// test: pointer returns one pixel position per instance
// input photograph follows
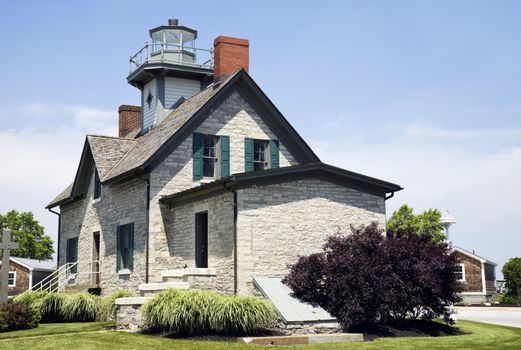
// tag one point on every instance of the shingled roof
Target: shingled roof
(119, 158)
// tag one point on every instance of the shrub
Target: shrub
(199, 312)
(15, 316)
(81, 307)
(366, 278)
(241, 314)
(512, 273)
(64, 307)
(108, 311)
(509, 299)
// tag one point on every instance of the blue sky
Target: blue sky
(426, 94)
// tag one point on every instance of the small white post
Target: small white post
(6, 246)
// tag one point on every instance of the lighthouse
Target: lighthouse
(168, 70)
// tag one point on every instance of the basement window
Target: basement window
(11, 279)
(459, 271)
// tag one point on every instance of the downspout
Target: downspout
(59, 233)
(147, 228)
(235, 282)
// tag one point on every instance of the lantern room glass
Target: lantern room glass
(173, 39)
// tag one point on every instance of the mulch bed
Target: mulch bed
(407, 328)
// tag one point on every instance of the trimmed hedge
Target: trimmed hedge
(15, 317)
(201, 312)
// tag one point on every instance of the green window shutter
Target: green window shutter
(131, 246)
(197, 156)
(67, 257)
(248, 154)
(274, 154)
(75, 267)
(118, 249)
(225, 156)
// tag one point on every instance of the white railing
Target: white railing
(63, 275)
(171, 53)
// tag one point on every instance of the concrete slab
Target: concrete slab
(506, 316)
(304, 339)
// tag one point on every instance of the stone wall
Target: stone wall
(278, 223)
(180, 233)
(473, 281)
(235, 118)
(119, 204)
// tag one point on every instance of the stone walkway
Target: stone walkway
(506, 316)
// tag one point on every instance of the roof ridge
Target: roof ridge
(110, 137)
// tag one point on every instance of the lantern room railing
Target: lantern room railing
(172, 53)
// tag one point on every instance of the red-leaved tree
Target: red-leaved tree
(365, 278)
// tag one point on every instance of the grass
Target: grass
(56, 328)
(484, 336)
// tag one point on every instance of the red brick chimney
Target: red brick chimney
(230, 55)
(129, 119)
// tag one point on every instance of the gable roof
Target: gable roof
(152, 147)
(323, 171)
(472, 255)
(34, 264)
(120, 158)
(101, 151)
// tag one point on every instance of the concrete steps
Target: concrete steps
(149, 289)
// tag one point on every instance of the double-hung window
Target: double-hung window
(459, 271)
(260, 158)
(125, 247)
(11, 279)
(211, 156)
(210, 143)
(260, 154)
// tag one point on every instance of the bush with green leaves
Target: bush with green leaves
(82, 307)
(202, 312)
(512, 273)
(14, 316)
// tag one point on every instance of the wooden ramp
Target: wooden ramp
(290, 309)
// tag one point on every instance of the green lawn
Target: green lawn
(483, 337)
(57, 328)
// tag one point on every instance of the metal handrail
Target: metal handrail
(63, 274)
(145, 54)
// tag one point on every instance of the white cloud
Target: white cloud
(481, 189)
(40, 159)
(434, 132)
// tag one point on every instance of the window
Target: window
(210, 155)
(11, 279)
(260, 160)
(260, 154)
(97, 185)
(460, 272)
(72, 254)
(125, 247)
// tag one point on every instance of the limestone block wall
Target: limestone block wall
(119, 204)
(180, 237)
(278, 223)
(236, 118)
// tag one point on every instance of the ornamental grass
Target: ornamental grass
(201, 312)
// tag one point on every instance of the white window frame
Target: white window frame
(14, 279)
(462, 272)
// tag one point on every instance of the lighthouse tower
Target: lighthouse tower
(168, 70)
